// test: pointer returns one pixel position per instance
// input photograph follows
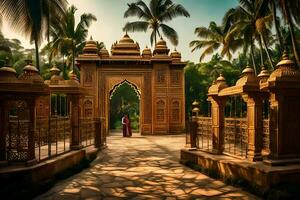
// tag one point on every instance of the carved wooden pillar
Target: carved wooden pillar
(284, 88)
(255, 125)
(32, 127)
(75, 122)
(193, 127)
(217, 115)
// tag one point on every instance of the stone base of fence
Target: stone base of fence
(42, 172)
(256, 174)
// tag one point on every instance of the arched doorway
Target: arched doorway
(124, 98)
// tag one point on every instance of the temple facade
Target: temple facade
(157, 77)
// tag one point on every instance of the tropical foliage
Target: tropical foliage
(68, 38)
(215, 37)
(251, 22)
(154, 17)
(250, 34)
(32, 19)
(199, 77)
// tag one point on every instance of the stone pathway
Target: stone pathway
(142, 168)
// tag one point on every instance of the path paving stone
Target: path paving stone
(142, 168)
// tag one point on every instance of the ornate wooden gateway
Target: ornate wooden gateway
(157, 77)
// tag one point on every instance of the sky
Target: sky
(110, 21)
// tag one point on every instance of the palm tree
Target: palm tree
(31, 18)
(4, 44)
(68, 39)
(253, 21)
(213, 38)
(154, 17)
(290, 11)
(276, 22)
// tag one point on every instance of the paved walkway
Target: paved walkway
(142, 168)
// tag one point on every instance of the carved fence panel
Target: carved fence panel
(266, 137)
(17, 137)
(52, 137)
(204, 133)
(236, 137)
(87, 131)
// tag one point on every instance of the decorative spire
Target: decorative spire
(221, 78)
(285, 60)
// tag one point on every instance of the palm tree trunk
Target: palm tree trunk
(73, 59)
(277, 25)
(267, 50)
(252, 57)
(261, 52)
(73, 56)
(37, 57)
(292, 32)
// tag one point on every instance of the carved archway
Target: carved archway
(133, 86)
(137, 92)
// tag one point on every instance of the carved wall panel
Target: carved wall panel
(160, 76)
(175, 111)
(88, 78)
(147, 98)
(160, 110)
(175, 77)
(88, 107)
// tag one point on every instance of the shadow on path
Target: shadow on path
(142, 168)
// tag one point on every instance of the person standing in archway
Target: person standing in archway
(126, 126)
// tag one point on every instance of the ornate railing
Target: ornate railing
(204, 133)
(87, 131)
(17, 139)
(266, 137)
(52, 137)
(236, 137)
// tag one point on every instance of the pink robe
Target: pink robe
(126, 127)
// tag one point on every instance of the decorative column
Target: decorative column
(193, 132)
(217, 113)
(75, 122)
(255, 125)
(284, 88)
(7, 75)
